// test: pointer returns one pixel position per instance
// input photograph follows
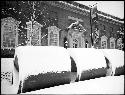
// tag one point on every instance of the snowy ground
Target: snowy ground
(6, 86)
(104, 85)
(85, 59)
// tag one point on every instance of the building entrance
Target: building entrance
(76, 36)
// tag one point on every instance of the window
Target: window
(112, 43)
(75, 43)
(34, 35)
(104, 42)
(9, 35)
(120, 44)
(53, 36)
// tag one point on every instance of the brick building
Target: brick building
(46, 23)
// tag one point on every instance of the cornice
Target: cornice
(75, 9)
(68, 7)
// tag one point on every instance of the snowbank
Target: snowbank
(9, 85)
(7, 64)
(115, 56)
(87, 59)
(104, 85)
(33, 60)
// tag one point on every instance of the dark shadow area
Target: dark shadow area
(16, 63)
(7, 53)
(41, 81)
(119, 71)
(73, 65)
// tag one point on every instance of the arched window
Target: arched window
(34, 33)
(112, 43)
(53, 36)
(104, 42)
(75, 43)
(119, 44)
(9, 33)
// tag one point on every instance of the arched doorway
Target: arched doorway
(76, 35)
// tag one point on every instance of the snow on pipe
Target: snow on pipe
(116, 58)
(87, 59)
(33, 60)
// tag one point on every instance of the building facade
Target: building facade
(56, 23)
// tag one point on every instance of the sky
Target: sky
(115, 8)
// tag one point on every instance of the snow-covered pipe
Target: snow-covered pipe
(33, 60)
(87, 59)
(115, 56)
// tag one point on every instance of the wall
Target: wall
(63, 23)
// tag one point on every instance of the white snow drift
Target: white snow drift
(33, 60)
(6, 86)
(115, 56)
(6, 64)
(87, 59)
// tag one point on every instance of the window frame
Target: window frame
(119, 44)
(104, 41)
(54, 32)
(112, 41)
(12, 24)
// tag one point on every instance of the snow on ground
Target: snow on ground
(115, 56)
(6, 86)
(48, 59)
(87, 58)
(104, 85)
(6, 64)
